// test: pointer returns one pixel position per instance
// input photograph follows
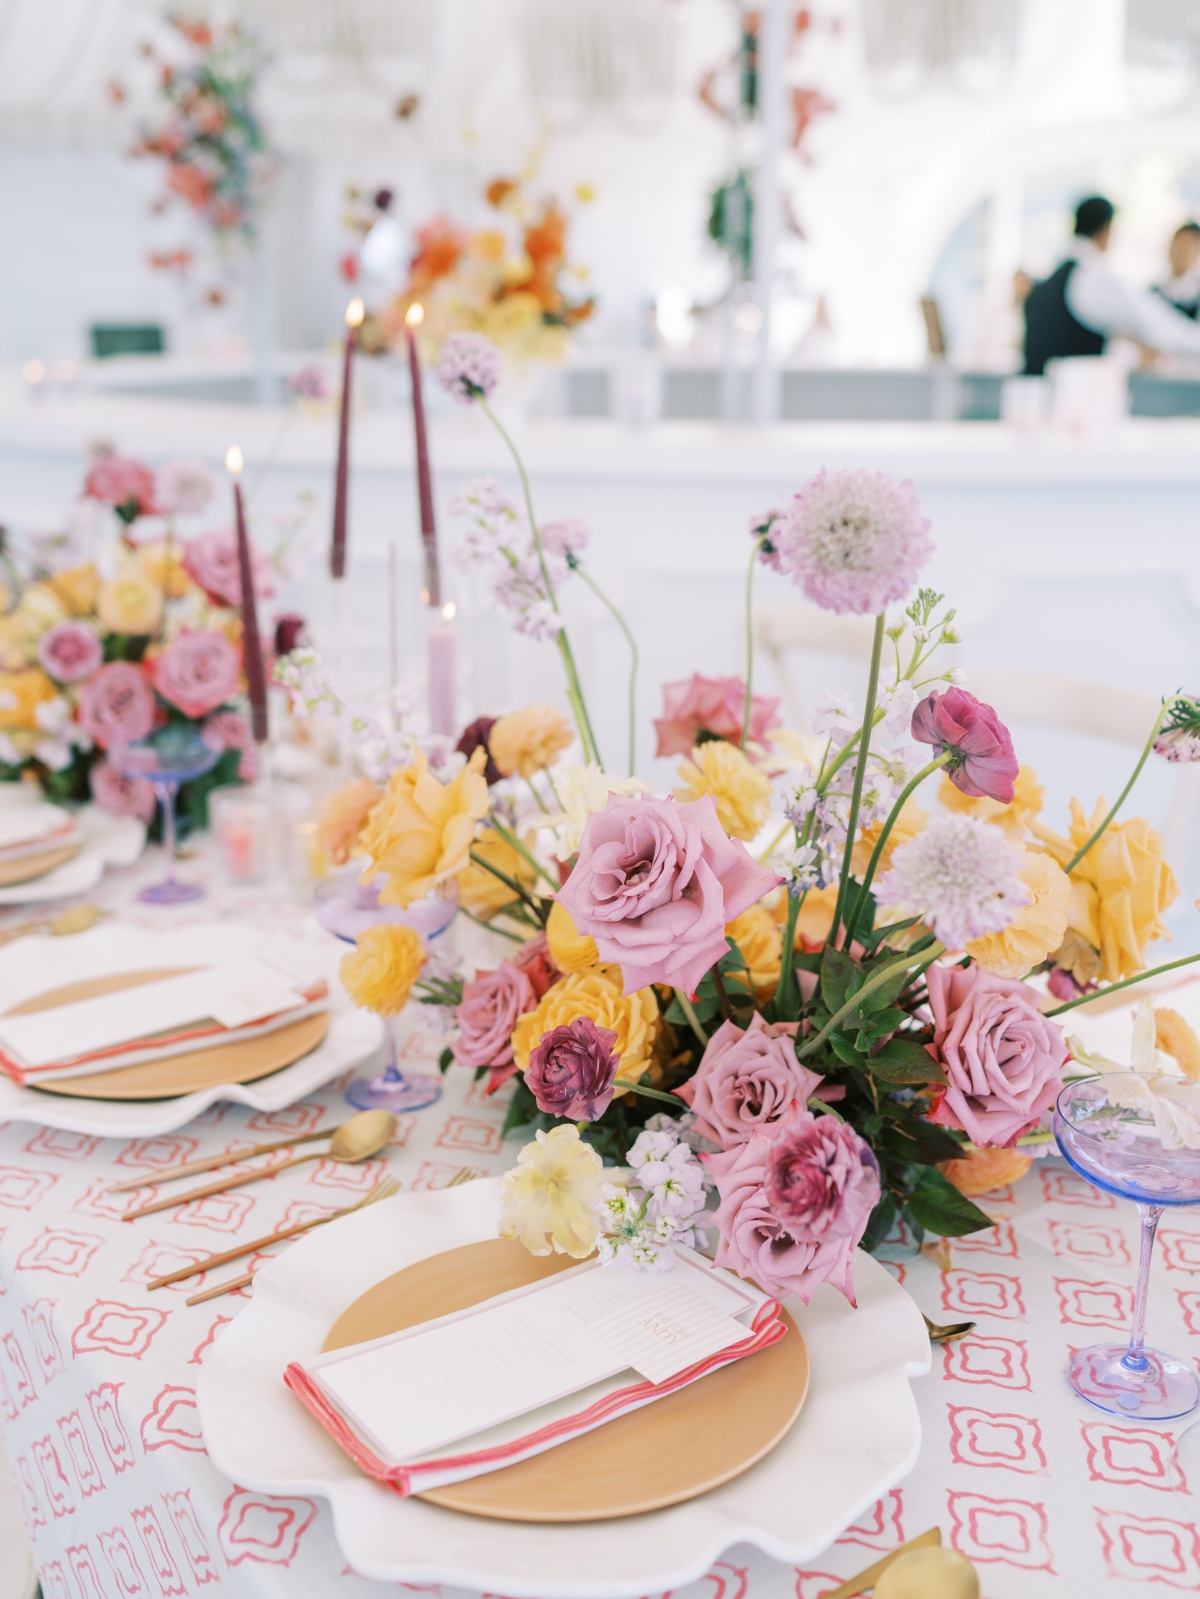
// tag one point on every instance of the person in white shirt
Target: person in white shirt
(1084, 304)
(1182, 289)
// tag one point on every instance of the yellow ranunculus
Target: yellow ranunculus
(514, 317)
(20, 695)
(911, 821)
(569, 949)
(379, 972)
(420, 833)
(481, 892)
(742, 792)
(982, 1171)
(40, 608)
(1015, 819)
(527, 740)
(162, 562)
(759, 939)
(1038, 928)
(595, 992)
(75, 588)
(1121, 888)
(342, 819)
(18, 642)
(548, 1199)
(129, 603)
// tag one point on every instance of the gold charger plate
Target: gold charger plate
(242, 1062)
(672, 1450)
(27, 867)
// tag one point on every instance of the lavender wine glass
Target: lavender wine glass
(1117, 1131)
(346, 907)
(167, 758)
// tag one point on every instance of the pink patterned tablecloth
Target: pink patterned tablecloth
(97, 1376)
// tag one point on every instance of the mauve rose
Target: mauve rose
(714, 705)
(116, 705)
(983, 763)
(475, 736)
(212, 561)
(196, 672)
(231, 731)
(533, 958)
(127, 486)
(795, 1201)
(571, 1071)
(120, 795)
(491, 1006)
(656, 883)
(70, 651)
(745, 1080)
(1003, 1059)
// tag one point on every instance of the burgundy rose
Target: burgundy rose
(212, 561)
(795, 1201)
(712, 705)
(982, 761)
(655, 885)
(116, 705)
(120, 795)
(491, 1006)
(533, 958)
(572, 1069)
(70, 651)
(475, 736)
(746, 1079)
(196, 672)
(1003, 1059)
(290, 633)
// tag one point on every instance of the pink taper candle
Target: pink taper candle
(442, 640)
(355, 312)
(252, 656)
(413, 318)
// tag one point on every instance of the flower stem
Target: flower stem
(860, 772)
(685, 1006)
(533, 790)
(1126, 982)
(621, 1086)
(784, 988)
(514, 842)
(504, 932)
(509, 882)
(774, 844)
(876, 980)
(1124, 794)
(909, 789)
(633, 660)
(754, 555)
(574, 691)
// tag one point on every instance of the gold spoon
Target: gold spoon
(364, 1135)
(76, 919)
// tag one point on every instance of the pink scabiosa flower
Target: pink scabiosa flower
(795, 1201)
(70, 651)
(1179, 740)
(960, 876)
(184, 488)
(853, 541)
(982, 761)
(714, 706)
(469, 367)
(572, 1070)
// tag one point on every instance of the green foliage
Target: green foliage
(937, 1206)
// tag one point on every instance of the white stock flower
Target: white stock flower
(582, 790)
(835, 719)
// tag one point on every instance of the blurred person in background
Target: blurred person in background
(1182, 288)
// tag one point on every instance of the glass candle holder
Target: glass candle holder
(240, 820)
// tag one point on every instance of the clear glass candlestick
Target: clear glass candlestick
(1130, 1134)
(173, 755)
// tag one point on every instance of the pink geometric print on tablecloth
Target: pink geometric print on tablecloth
(22, 1188)
(1093, 1304)
(1010, 1532)
(122, 1563)
(997, 1240)
(1060, 1186)
(78, 1449)
(1103, 1245)
(53, 1141)
(977, 1294)
(995, 1438)
(55, 1249)
(1189, 1304)
(117, 1329)
(158, 1553)
(881, 1527)
(182, 1517)
(1179, 1251)
(156, 1154)
(995, 1362)
(262, 1527)
(104, 1403)
(1131, 1456)
(1150, 1549)
(173, 1420)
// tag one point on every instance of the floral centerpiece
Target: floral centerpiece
(95, 654)
(854, 1021)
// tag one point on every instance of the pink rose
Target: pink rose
(231, 731)
(212, 561)
(656, 883)
(116, 705)
(746, 1079)
(711, 705)
(533, 958)
(70, 651)
(983, 763)
(120, 795)
(196, 672)
(572, 1069)
(491, 1006)
(127, 486)
(795, 1200)
(1003, 1059)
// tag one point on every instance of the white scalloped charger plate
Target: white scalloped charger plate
(32, 965)
(857, 1435)
(106, 841)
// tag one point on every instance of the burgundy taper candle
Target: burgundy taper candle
(413, 318)
(252, 656)
(341, 483)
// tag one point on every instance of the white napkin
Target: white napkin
(30, 823)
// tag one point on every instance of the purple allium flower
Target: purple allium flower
(470, 366)
(853, 541)
(983, 763)
(1180, 737)
(572, 1069)
(960, 876)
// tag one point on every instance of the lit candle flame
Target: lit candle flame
(234, 461)
(355, 312)
(415, 314)
(449, 611)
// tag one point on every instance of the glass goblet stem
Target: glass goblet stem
(166, 801)
(391, 1073)
(1135, 1357)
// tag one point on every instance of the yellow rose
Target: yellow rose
(1038, 928)
(1121, 888)
(760, 943)
(18, 643)
(40, 608)
(816, 916)
(343, 817)
(548, 1199)
(420, 833)
(379, 972)
(527, 740)
(595, 992)
(162, 562)
(911, 821)
(20, 694)
(481, 892)
(569, 949)
(1015, 819)
(742, 792)
(75, 588)
(129, 603)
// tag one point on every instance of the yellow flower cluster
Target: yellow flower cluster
(481, 892)
(1038, 928)
(21, 693)
(570, 950)
(759, 939)
(419, 834)
(130, 603)
(526, 741)
(742, 792)
(596, 992)
(1015, 819)
(378, 974)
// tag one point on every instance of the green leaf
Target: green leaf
(838, 974)
(446, 1059)
(705, 1006)
(926, 1143)
(864, 914)
(879, 1223)
(892, 986)
(846, 1051)
(903, 1060)
(939, 1207)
